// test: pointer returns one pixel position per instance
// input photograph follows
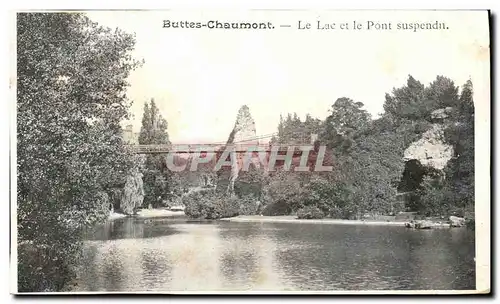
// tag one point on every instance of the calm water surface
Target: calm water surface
(175, 255)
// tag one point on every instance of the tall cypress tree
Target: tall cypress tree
(156, 176)
(144, 135)
(154, 126)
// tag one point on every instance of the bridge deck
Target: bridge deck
(208, 148)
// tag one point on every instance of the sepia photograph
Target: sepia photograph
(250, 152)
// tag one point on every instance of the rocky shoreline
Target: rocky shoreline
(423, 224)
(413, 224)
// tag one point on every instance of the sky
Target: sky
(199, 78)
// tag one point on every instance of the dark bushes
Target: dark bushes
(210, 205)
(276, 208)
(310, 212)
(248, 205)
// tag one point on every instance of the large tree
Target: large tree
(345, 120)
(157, 179)
(294, 131)
(70, 99)
(154, 126)
(460, 169)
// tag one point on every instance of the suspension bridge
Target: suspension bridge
(241, 146)
(247, 147)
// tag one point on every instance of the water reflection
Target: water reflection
(249, 259)
(113, 269)
(194, 257)
(156, 269)
(131, 228)
(162, 255)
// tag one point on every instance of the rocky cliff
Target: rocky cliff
(243, 132)
(244, 127)
(430, 149)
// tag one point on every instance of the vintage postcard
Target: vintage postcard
(251, 151)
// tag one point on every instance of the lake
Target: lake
(165, 255)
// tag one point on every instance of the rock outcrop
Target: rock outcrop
(410, 224)
(425, 224)
(244, 132)
(431, 150)
(133, 193)
(244, 127)
(456, 221)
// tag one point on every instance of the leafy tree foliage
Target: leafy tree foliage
(408, 102)
(453, 194)
(248, 205)
(345, 120)
(249, 182)
(369, 166)
(411, 107)
(310, 212)
(284, 190)
(71, 97)
(157, 178)
(346, 116)
(294, 131)
(154, 126)
(329, 197)
(433, 197)
(442, 92)
(209, 204)
(460, 169)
